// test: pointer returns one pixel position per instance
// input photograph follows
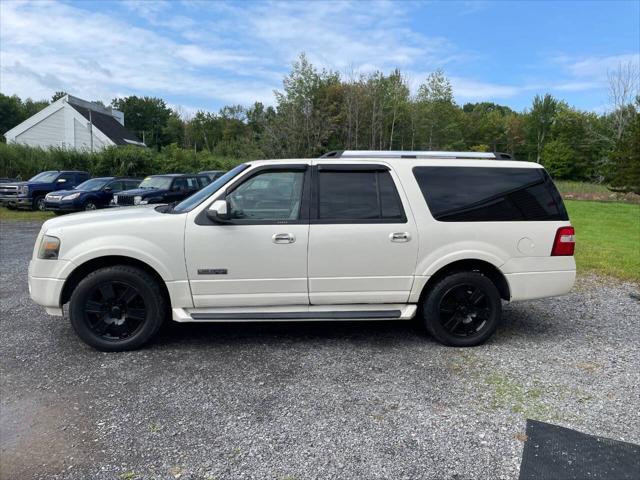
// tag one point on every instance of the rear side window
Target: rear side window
(479, 194)
(364, 196)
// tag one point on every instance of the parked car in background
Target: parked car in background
(31, 194)
(167, 188)
(213, 174)
(90, 195)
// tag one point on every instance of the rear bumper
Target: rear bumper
(531, 285)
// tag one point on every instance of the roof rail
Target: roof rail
(414, 154)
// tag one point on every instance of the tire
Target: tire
(89, 206)
(117, 308)
(38, 204)
(462, 310)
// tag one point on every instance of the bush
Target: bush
(20, 161)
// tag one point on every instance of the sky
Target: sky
(204, 55)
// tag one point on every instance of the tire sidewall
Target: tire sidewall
(140, 280)
(38, 204)
(431, 308)
(90, 202)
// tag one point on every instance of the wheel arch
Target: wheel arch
(84, 269)
(492, 272)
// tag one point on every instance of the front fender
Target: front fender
(169, 267)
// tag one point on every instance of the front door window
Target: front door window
(269, 196)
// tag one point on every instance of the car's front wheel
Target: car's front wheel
(38, 204)
(90, 206)
(117, 308)
(462, 309)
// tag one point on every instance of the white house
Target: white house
(70, 122)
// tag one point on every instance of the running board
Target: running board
(269, 314)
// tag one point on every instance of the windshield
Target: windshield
(152, 183)
(45, 177)
(93, 184)
(198, 197)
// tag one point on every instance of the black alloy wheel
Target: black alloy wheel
(462, 309)
(114, 310)
(90, 205)
(118, 308)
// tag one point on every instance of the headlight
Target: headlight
(137, 199)
(71, 197)
(49, 248)
(24, 189)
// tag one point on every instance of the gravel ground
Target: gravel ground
(322, 400)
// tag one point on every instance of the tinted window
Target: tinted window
(268, 196)
(358, 196)
(117, 186)
(203, 181)
(192, 183)
(131, 184)
(93, 184)
(69, 177)
(198, 197)
(478, 194)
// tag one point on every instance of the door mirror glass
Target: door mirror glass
(61, 180)
(219, 211)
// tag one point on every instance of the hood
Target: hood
(62, 193)
(14, 184)
(100, 217)
(143, 192)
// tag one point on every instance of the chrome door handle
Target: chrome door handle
(283, 238)
(400, 237)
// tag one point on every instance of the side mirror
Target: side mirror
(219, 211)
(61, 180)
(107, 189)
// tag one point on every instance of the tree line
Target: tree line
(320, 110)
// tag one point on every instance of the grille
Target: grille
(9, 190)
(125, 199)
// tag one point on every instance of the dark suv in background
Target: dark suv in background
(171, 187)
(31, 194)
(90, 195)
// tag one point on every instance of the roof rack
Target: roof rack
(415, 154)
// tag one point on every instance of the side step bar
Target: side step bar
(346, 315)
(396, 312)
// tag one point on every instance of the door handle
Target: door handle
(283, 238)
(399, 237)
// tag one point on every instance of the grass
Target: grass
(6, 214)
(607, 237)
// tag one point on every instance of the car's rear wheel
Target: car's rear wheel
(90, 205)
(38, 204)
(463, 309)
(117, 308)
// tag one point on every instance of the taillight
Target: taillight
(565, 242)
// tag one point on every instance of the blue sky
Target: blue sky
(203, 55)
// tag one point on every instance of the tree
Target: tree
(559, 159)
(11, 112)
(623, 173)
(57, 96)
(542, 115)
(146, 116)
(623, 88)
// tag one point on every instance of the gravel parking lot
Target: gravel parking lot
(297, 401)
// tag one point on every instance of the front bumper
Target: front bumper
(16, 202)
(62, 206)
(46, 281)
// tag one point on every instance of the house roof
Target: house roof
(108, 125)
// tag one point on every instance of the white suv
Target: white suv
(354, 235)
